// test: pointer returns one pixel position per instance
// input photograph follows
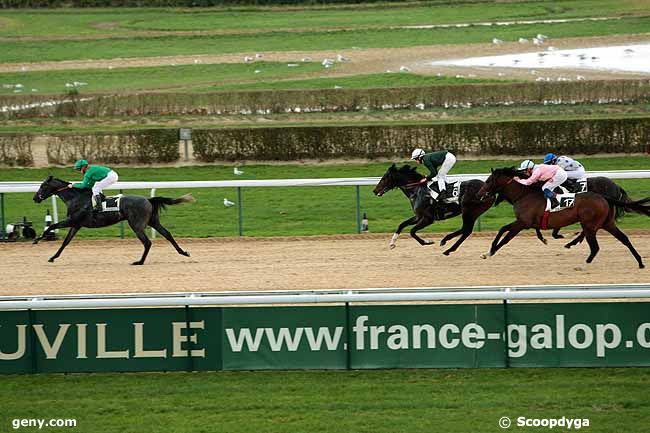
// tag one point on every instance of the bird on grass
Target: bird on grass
(238, 172)
(228, 203)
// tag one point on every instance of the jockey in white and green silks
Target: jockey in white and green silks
(96, 178)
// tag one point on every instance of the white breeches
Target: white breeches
(447, 164)
(555, 181)
(109, 180)
(578, 173)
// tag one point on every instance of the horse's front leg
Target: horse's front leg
(73, 231)
(407, 222)
(422, 223)
(540, 236)
(61, 224)
(496, 240)
(513, 230)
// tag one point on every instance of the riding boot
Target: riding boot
(97, 200)
(442, 196)
(554, 202)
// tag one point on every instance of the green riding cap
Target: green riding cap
(81, 163)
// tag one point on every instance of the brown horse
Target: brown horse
(591, 210)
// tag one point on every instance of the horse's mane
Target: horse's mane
(408, 170)
(507, 171)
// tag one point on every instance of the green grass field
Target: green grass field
(294, 211)
(450, 401)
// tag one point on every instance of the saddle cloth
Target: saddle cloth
(454, 187)
(112, 203)
(566, 201)
(570, 185)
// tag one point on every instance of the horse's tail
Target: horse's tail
(621, 195)
(640, 206)
(159, 203)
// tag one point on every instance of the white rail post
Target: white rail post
(55, 212)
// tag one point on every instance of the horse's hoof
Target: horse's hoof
(35, 241)
(484, 256)
(392, 246)
(443, 242)
(641, 266)
(446, 253)
(558, 236)
(51, 260)
(567, 246)
(137, 263)
(544, 241)
(427, 243)
(185, 253)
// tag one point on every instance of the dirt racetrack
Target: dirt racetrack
(340, 262)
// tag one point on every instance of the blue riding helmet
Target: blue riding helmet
(550, 158)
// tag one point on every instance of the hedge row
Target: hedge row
(148, 146)
(479, 139)
(332, 100)
(4, 4)
(16, 150)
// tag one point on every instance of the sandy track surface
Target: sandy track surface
(373, 60)
(309, 263)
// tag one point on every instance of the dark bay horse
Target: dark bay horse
(137, 211)
(409, 180)
(593, 211)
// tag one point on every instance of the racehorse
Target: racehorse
(137, 211)
(409, 181)
(592, 210)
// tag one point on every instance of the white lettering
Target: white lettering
(602, 342)
(641, 335)
(178, 339)
(588, 335)
(399, 338)
(517, 347)
(51, 350)
(375, 331)
(559, 331)
(417, 336)
(101, 345)
(237, 342)
(81, 340)
(323, 334)
(359, 330)
(473, 336)
(445, 330)
(543, 339)
(139, 351)
(283, 335)
(20, 346)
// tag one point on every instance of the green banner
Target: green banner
(326, 337)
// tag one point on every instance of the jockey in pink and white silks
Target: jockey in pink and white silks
(573, 168)
(554, 175)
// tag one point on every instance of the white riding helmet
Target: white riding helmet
(525, 165)
(417, 154)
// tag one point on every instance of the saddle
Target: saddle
(453, 190)
(111, 203)
(576, 186)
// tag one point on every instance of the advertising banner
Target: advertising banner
(326, 337)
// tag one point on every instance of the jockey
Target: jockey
(96, 177)
(554, 175)
(573, 168)
(443, 159)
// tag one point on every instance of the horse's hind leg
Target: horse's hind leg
(540, 236)
(138, 228)
(165, 233)
(466, 230)
(622, 237)
(576, 241)
(593, 244)
(556, 234)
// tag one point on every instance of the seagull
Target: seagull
(238, 172)
(420, 106)
(404, 69)
(579, 77)
(342, 58)
(257, 71)
(306, 59)
(258, 56)
(327, 62)
(538, 41)
(338, 87)
(628, 51)
(248, 59)
(523, 40)
(228, 203)
(497, 41)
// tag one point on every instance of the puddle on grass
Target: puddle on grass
(622, 58)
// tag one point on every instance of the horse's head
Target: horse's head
(497, 180)
(394, 178)
(49, 187)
